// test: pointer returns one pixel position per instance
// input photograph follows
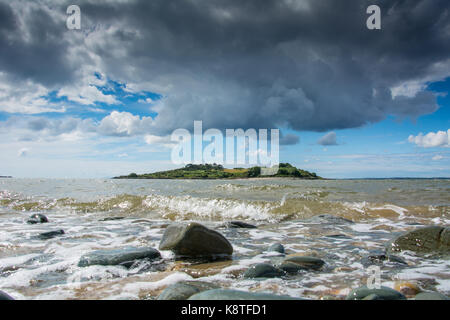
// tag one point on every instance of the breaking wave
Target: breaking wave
(292, 206)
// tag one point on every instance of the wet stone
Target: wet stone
(240, 224)
(50, 234)
(291, 267)
(305, 262)
(194, 240)
(263, 270)
(112, 219)
(223, 294)
(328, 218)
(431, 296)
(379, 257)
(125, 257)
(184, 290)
(4, 296)
(384, 293)
(276, 247)
(372, 296)
(407, 288)
(433, 239)
(37, 218)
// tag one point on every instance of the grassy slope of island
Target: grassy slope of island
(215, 171)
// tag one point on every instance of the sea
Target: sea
(339, 221)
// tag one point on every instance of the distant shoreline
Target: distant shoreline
(237, 178)
(216, 172)
(230, 178)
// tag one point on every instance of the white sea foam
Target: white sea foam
(14, 261)
(187, 206)
(136, 287)
(365, 208)
(399, 210)
(261, 234)
(23, 278)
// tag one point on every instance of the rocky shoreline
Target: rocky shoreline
(195, 243)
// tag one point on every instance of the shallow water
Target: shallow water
(284, 210)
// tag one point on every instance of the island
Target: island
(217, 171)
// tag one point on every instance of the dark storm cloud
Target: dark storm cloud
(32, 42)
(304, 65)
(38, 127)
(329, 139)
(289, 139)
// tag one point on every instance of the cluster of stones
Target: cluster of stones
(195, 241)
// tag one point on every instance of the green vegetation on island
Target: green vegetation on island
(217, 171)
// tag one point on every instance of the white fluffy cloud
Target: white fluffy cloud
(165, 142)
(26, 98)
(432, 139)
(124, 124)
(116, 124)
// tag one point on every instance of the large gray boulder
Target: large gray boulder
(194, 240)
(125, 257)
(384, 293)
(183, 290)
(224, 294)
(433, 239)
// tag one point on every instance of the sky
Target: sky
(103, 100)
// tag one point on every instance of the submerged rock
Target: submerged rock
(372, 296)
(263, 270)
(240, 224)
(384, 293)
(4, 296)
(112, 219)
(50, 234)
(328, 218)
(37, 218)
(431, 296)
(378, 257)
(276, 247)
(432, 239)
(291, 267)
(224, 294)
(303, 263)
(125, 257)
(183, 290)
(407, 288)
(194, 240)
